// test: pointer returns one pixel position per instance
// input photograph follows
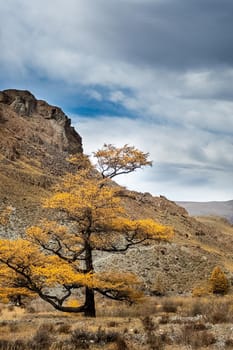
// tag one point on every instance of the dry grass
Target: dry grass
(196, 338)
(10, 313)
(217, 223)
(160, 323)
(108, 308)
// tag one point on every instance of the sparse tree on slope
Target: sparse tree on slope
(56, 259)
(218, 281)
(113, 161)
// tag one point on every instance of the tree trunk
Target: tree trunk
(89, 308)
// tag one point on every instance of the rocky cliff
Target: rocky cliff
(35, 141)
(30, 127)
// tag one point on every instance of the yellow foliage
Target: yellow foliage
(144, 228)
(201, 290)
(218, 281)
(81, 160)
(77, 195)
(113, 161)
(217, 284)
(73, 303)
(20, 256)
(125, 283)
(11, 284)
(55, 255)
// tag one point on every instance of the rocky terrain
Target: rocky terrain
(223, 209)
(35, 140)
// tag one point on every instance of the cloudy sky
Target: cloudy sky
(157, 74)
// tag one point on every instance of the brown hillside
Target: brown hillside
(35, 140)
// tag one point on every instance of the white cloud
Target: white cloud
(94, 94)
(187, 162)
(136, 54)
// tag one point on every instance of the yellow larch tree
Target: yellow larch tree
(113, 161)
(218, 281)
(58, 257)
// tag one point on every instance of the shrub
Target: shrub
(220, 312)
(13, 327)
(121, 344)
(81, 338)
(169, 305)
(219, 282)
(202, 290)
(155, 341)
(229, 343)
(64, 328)
(196, 338)
(159, 287)
(42, 340)
(164, 319)
(4, 344)
(196, 309)
(12, 345)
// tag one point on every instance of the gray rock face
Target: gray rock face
(22, 102)
(23, 107)
(49, 125)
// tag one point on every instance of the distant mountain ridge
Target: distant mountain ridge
(222, 209)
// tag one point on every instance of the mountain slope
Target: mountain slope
(222, 209)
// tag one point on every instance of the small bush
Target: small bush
(221, 312)
(49, 327)
(196, 309)
(13, 327)
(12, 345)
(229, 343)
(42, 340)
(148, 324)
(64, 328)
(4, 344)
(164, 319)
(219, 282)
(30, 310)
(11, 308)
(155, 341)
(196, 338)
(199, 326)
(112, 324)
(81, 338)
(202, 290)
(159, 287)
(18, 345)
(214, 310)
(121, 344)
(169, 305)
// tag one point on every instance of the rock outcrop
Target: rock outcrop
(35, 121)
(35, 141)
